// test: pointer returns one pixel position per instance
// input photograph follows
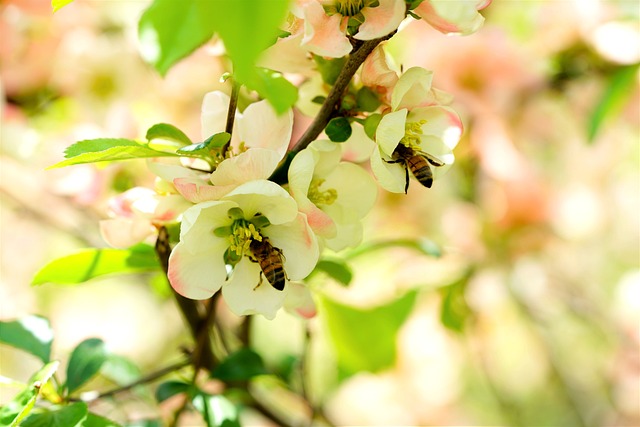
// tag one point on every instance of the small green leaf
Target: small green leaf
(107, 149)
(617, 93)
(338, 129)
(365, 339)
(371, 125)
(203, 149)
(169, 30)
(336, 269)
(241, 365)
(14, 411)
(167, 131)
(59, 4)
(319, 99)
(32, 334)
(169, 389)
(145, 423)
(454, 310)
(91, 263)
(425, 246)
(86, 360)
(367, 100)
(72, 415)
(94, 420)
(272, 85)
(329, 68)
(120, 370)
(217, 411)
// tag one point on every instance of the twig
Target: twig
(231, 112)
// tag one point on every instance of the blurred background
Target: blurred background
(531, 316)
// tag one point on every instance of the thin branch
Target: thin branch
(331, 105)
(147, 379)
(231, 112)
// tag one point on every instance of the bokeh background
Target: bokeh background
(538, 220)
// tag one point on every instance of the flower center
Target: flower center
(241, 233)
(319, 197)
(349, 7)
(412, 134)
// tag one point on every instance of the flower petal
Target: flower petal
(301, 173)
(359, 146)
(390, 131)
(413, 89)
(391, 176)
(357, 191)
(288, 56)
(298, 244)
(266, 198)
(441, 122)
(381, 20)
(376, 72)
(197, 275)
(323, 34)
(453, 17)
(199, 222)
(244, 294)
(261, 127)
(299, 301)
(213, 117)
(125, 232)
(253, 164)
(197, 191)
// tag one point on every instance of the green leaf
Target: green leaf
(86, 360)
(59, 4)
(615, 96)
(120, 370)
(169, 132)
(217, 411)
(280, 92)
(94, 420)
(454, 310)
(425, 246)
(367, 100)
(365, 339)
(336, 269)
(145, 423)
(72, 415)
(14, 411)
(241, 365)
(338, 129)
(91, 263)
(371, 125)
(329, 68)
(32, 334)
(203, 149)
(107, 149)
(169, 389)
(170, 30)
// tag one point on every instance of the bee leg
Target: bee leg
(259, 281)
(406, 184)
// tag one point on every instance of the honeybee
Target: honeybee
(270, 260)
(416, 161)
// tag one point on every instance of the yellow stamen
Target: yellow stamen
(412, 134)
(319, 197)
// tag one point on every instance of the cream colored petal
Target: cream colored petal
(390, 176)
(123, 233)
(390, 131)
(253, 164)
(266, 198)
(412, 89)
(298, 244)
(261, 127)
(197, 275)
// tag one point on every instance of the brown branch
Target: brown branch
(231, 113)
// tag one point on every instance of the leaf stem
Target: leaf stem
(231, 112)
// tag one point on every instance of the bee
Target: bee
(270, 260)
(416, 161)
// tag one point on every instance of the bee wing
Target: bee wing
(431, 158)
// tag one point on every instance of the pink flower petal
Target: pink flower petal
(324, 34)
(197, 275)
(197, 191)
(123, 233)
(381, 20)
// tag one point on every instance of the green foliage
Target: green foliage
(32, 334)
(329, 68)
(59, 4)
(371, 125)
(217, 411)
(365, 339)
(454, 310)
(169, 389)
(91, 263)
(367, 100)
(72, 415)
(86, 360)
(271, 85)
(13, 412)
(336, 269)
(241, 365)
(167, 132)
(424, 246)
(204, 149)
(94, 420)
(120, 370)
(338, 129)
(145, 423)
(107, 149)
(617, 93)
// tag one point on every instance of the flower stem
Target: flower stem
(231, 111)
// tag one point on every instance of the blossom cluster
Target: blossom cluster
(255, 238)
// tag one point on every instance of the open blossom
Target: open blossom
(259, 141)
(221, 233)
(453, 17)
(334, 195)
(326, 22)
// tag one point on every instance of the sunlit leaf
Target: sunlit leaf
(91, 263)
(85, 362)
(371, 125)
(280, 92)
(338, 129)
(217, 411)
(72, 415)
(169, 389)
(365, 339)
(215, 141)
(619, 90)
(59, 4)
(329, 68)
(454, 310)
(94, 420)
(107, 149)
(424, 246)
(239, 366)
(336, 269)
(14, 411)
(120, 370)
(167, 131)
(32, 334)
